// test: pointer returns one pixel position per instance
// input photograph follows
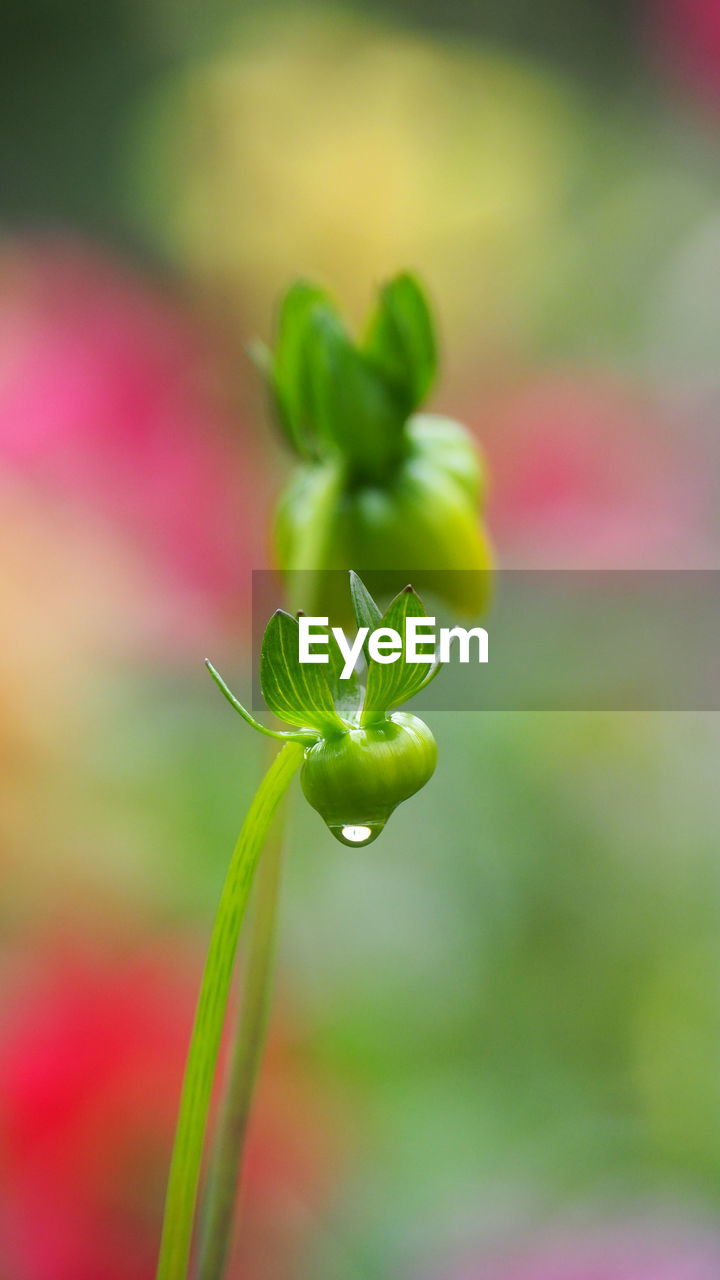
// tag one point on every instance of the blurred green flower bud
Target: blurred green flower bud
(362, 757)
(392, 490)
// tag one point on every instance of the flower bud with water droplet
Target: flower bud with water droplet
(357, 779)
(363, 757)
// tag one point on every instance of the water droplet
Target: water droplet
(358, 834)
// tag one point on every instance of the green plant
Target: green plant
(362, 756)
(359, 759)
(379, 486)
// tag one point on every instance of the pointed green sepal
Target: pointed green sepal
(401, 341)
(367, 613)
(390, 684)
(295, 691)
(353, 405)
(348, 694)
(305, 739)
(289, 376)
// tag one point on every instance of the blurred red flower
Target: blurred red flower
(688, 33)
(585, 473)
(91, 1054)
(109, 395)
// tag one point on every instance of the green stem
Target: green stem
(249, 1039)
(209, 1017)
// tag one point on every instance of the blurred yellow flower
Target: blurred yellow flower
(328, 146)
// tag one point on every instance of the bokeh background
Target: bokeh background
(495, 1050)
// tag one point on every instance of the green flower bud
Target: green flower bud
(357, 779)
(449, 447)
(394, 491)
(362, 757)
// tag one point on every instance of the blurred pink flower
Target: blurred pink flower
(688, 35)
(584, 473)
(652, 1252)
(107, 397)
(92, 1052)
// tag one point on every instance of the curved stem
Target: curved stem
(209, 1017)
(249, 1039)
(226, 1157)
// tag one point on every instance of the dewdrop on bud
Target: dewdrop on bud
(363, 757)
(356, 780)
